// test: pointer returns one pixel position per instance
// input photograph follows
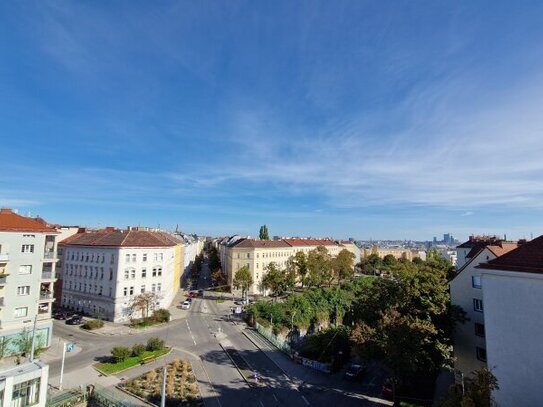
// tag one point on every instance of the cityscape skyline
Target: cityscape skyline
(366, 120)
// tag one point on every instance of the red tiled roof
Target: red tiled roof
(260, 244)
(311, 242)
(505, 247)
(122, 238)
(527, 257)
(13, 222)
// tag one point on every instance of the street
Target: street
(201, 337)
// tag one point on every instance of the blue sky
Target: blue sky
(365, 118)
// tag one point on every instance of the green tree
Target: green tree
(343, 265)
(478, 391)
(275, 279)
(214, 261)
(263, 234)
(243, 280)
(299, 262)
(120, 353)
(371, 264)
(319, 265)
(389, 260)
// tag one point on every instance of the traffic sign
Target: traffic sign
(70, 347)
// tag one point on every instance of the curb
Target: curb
(264, 352)
(251, 384)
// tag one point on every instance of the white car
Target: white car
(185, 305)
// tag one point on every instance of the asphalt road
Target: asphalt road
(199, 338)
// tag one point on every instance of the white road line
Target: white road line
(275, 397)
(191, 335)
(262, 404)
(306, 402)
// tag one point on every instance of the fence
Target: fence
(97, 396)
(285, 347)
(110, 398)
(67, 399)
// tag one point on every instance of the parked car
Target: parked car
(185, 305)
(75, 320)
(189, 299)
(192, 294)
(355, 371)
(61, 315)
(200, 293)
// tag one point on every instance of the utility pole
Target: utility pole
(163, 398)
(62, 365)
(33, 339)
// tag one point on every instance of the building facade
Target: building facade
(237, 252)
(27, 274)
(24, 385)
(513, 298)
(104, 270)
(466, 292)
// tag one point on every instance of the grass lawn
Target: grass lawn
(110, 368)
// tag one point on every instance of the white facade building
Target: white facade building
(27, 273)
(466, 292)
(104, 270)
(513, 299)
(24, 385)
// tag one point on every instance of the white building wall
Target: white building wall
(103, 281)
(21, 374)
(514, 328)
(26, 269)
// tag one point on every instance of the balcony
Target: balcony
(49, 256)
(4, 257)
(3, 279)
(46, 297)
(47, 275)
(1, 301)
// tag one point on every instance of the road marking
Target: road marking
(262, 404)
(275, 397)
(306, 402)
(210, 383)
(191, 335)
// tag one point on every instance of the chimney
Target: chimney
(109, 229)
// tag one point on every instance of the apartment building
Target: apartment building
(237, 252)
(512, 286)
(192, 247)
(104, 270)
(24, 385)
(27, 273)
(466, 292)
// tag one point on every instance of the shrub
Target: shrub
(155, 343)
(138, 349)
(93, 324)
(161, 315)
(120, 353)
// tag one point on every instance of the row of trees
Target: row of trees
(316, 269)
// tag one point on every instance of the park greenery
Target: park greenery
(397, 314)
(92, 324)
(123, 357)
(477, 391)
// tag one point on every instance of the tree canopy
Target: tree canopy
(243, 279)
(263, 233)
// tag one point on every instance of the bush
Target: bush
(138, 349)
(120, 353)
(161, 315)
(93, 324)
(155, 343)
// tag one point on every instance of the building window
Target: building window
(26, 393)
(21, 312)
(238, 255)
(110, 274)
(476, 281)
(159, 287)
(133, 274)
(159, 256)
(142, 290)
(134, 257)
(481, 354)
(126, 274)
(125, 291)
(143, 273)
(153, 287)
(478, 305)
(27, 248)
(23, 290)
(131, 290)
(127, 258)
(157, 271)
(25, 269)
(248, 255)
(480, 330)
(144, 257)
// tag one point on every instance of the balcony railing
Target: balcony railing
(3, 280)
(47, 275)
(1, 301)
(4, 257)
(46, 296)
(49, 255)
